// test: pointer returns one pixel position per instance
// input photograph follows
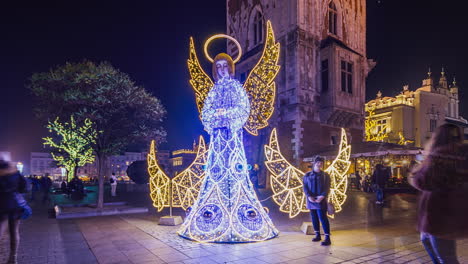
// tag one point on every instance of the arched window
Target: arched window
(332, 19)
(257, 28)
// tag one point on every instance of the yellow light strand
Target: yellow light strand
(287, 184)
(285, 180)
(186, 185)
(159, 181)
(337, 171)
(370, 127)
(260, 85)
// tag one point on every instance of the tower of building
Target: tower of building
(321, 84)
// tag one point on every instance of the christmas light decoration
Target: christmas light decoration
(186, 185)
(260, 85)
(285, 180)
(159, 181)
(403, 140)
(373, 130)
(287, 184)
(74, 149)
(227, 209)
(337, 171)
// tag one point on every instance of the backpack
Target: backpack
(112, 180)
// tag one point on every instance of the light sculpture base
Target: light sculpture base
(170, 220)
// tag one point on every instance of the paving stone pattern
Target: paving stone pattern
(363, 233)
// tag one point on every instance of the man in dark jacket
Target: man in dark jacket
(379, 180)
(316, 188)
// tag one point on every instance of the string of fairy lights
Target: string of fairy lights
(75, 147)
(286, 180)
(215, 189)
(186, 185)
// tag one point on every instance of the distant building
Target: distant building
(42, 163)
(181, 159)
(413, 116)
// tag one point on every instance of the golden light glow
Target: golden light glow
(403, 140)
(199, 80)
(183, 151)
(337, 171)
(286, 180)
(186, 185)
(260, 85)
(373, 133)
(207, 43)
(159, 181)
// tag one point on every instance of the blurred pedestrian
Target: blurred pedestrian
(13, 207)
(379, 180)
(76, 188)
(113, 183)
(358, 180)
(35, 187)
(442, 179)
(46, 183)
(316, 185)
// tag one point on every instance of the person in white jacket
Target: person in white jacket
(113, 183)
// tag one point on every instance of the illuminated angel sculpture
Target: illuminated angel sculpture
(286, 180)
(227, 209)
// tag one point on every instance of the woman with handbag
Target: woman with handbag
(12, 205)
(316, 188)
(443, 206)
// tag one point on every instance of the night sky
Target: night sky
(149, 41)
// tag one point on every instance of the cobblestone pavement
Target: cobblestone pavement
(362, 233)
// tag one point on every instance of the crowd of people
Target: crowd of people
(441, 178)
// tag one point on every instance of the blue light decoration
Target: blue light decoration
(227, 209)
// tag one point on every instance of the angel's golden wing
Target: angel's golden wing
(159, 182)
(260, 85)
(199, 80)
(337, 171)
(285, 180)
(186, 185)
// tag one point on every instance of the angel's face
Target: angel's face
(222, 68)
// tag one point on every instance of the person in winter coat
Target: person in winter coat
(12, 205)
(442, 179)
(316, 188)
(379, 180)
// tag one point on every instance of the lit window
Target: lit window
(346, 77)
(332, 19)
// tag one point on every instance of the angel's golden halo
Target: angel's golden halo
(207, 43)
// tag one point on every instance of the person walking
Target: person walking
(316, 188)
(113, 183)
(442, 179)
(12, 205)
(358, 180)
(379, 180)
(46, 184)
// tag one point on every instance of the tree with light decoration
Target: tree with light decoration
(72, 144)
(124, 112)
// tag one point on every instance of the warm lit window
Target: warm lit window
(346, 77)
(257, 28)
(324, 75)
(332, 19)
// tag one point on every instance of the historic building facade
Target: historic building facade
(321, 84)
(412, 116)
